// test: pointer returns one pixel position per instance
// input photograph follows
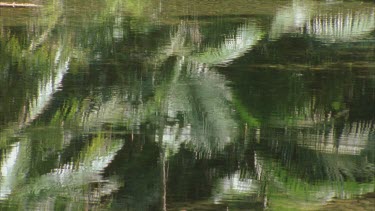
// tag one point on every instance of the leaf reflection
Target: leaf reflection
(142, 109)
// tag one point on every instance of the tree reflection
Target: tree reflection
(124, 112)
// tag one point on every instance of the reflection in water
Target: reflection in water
(7, 171)
(353, 138)
(290, 18)
(33, 67)
(200, 97)
(70, 178)
(315, 19)
(47, 89)
(342, 26)
(106, 108)
(234, 186)
(234, 45)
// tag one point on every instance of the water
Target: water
(199, 105)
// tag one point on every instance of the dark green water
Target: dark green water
(175, 105)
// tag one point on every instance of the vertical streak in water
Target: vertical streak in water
(350, 22)
(7, 170)
(340, 19)
(165, 179)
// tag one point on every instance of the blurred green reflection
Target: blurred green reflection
(153, 105)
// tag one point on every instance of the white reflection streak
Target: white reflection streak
(234, 185)
(69, 179)
(341, 26)
(7, 171)
(45, 91)
(330, 27)
(288, 19)
(258, 163)
(233, 47)
(247, 37)
(174, 136)
(352, 140)
(95, 165)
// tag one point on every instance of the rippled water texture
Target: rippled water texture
(187, 105)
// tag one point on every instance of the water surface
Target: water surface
(199, 105)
